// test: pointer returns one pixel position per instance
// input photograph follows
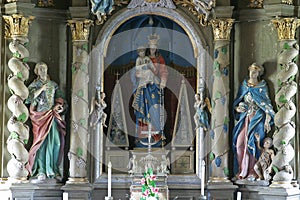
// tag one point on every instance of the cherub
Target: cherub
(263, 166)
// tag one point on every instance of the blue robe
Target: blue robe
(102, 6)
(261, 98)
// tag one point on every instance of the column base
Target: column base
(109, 198)
(77, 181)
(78, 191)
(279, 193)
(221, 190)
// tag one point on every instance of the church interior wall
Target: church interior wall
(253, 40)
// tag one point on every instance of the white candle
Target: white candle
(109, 179)
(202, 177)
(239, 196)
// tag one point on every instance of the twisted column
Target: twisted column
(220, 102)
(286, 91)
(16, 28)
(79, 112)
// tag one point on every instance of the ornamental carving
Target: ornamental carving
(202, 9)
(286, 28)
(289, 2)
(43, 3)
(151, 4)
(256, 4)
(16, 25)
(222, 28)
(80, 29)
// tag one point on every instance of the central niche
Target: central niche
(126, 128)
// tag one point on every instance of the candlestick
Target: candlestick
(202, 180)
(109, 179)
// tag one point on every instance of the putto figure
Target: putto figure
(97, 109)
(263, 166)
(46, 108)
(254, 114)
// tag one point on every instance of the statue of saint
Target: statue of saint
(46, 108)
(149, 78)
(97, 109)
(201, 116)
(254, 114)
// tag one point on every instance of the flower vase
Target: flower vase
(151, 198)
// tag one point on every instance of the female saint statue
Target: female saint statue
(254, 114)
(150, 77)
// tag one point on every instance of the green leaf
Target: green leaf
(85, 46)
(22, 117)
(79, 152)
(286, 46)
(80, 93)
(213, 104)
(281, 66)
(282, 99)
(211, 156)
(82, 122)
(16, 54)
(73, 69)
(14, 135)
(20, 75)
(282, 142)
(218, 95)
(292, 78)
(25, 60)
(226, 120)
(216, 65)
(275, 169)
(25, 141)
(279, 82)
(226, 171)
(224, 50)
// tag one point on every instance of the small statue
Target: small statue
(263, 166)
(97, 109)
(132, 165)
(201, 115)
(165, 165)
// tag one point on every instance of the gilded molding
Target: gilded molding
(222, 28)
(256, 4)
(16, 25)
(199, 8)
(43, 3)
(80, 29)
(286, 28)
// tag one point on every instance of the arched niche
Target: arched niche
(100, 51)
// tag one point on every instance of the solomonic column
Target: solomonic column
(16, 29)
(220, 101)
(79, 112)
(284, 98)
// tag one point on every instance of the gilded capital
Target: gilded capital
(16, 25)
(222, 28)
(80, 29)
(289, 2)
(286, 27)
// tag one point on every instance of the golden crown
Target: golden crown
(153, 39)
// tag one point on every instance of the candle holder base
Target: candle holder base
(109, 198)
(202, 197)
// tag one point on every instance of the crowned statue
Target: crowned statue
(149, 78)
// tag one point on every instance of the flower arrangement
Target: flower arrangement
(149, 189)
